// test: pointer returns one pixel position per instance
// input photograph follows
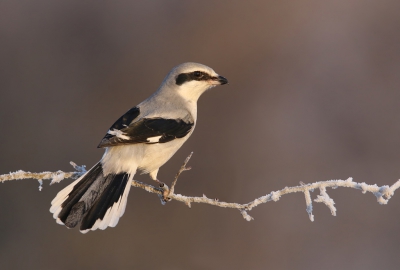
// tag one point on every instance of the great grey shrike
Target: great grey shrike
(142, 139)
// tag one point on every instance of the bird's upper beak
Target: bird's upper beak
(219, 80)
(222, 80)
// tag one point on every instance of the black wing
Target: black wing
(146, 130)
(126, 119)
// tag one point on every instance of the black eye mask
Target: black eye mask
(192, 76)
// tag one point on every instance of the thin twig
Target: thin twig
(55, 177)
(19, 175)
(182, 169)
(383, 193)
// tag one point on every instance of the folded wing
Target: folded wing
(130, 130)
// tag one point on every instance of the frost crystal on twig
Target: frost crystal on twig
(40, 184)
(55, 176)
(382, 194)
(324, 198)
(309, 204)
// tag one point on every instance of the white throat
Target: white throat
(191, 91)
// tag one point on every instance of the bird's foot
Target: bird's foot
(165, 192)
(161, 184)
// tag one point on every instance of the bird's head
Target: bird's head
(191, 80)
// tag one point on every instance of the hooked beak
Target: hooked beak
(220, 80)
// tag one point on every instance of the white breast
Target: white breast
(146, 157)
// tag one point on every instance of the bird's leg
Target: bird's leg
(165, 189)
(153, 176)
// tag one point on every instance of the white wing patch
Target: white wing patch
(154, 139)
(119, 134)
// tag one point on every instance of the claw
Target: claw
(161, 184)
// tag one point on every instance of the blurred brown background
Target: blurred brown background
(313, 95)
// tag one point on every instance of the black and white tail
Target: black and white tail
(95, 200)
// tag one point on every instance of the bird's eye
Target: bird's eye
(197, 74)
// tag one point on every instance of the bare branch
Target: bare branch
(55, 177)
(324, 198)
(309, 204)
(182, 169)
(383, 193)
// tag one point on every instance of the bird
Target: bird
(141, 140)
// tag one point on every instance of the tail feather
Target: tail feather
(79, 190)
(105, 204)
(95, 200)
(58, 200)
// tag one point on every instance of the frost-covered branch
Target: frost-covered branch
(55, 177)
(382, 193)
